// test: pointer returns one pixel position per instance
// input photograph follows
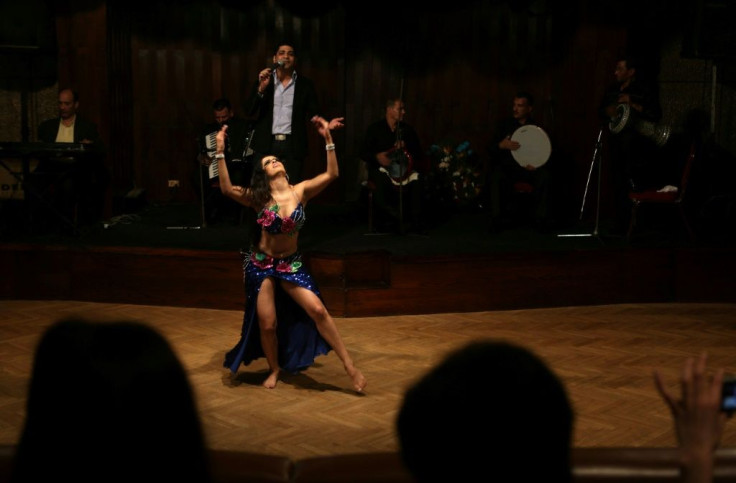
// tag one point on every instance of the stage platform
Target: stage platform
(164, 255)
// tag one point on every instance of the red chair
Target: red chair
(667, 198)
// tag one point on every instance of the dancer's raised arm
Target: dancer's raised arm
(317, 184)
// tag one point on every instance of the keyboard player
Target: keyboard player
(75, 184)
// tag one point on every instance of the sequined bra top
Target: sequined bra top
(272, 223)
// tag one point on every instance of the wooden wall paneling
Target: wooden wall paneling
(81, 42)
(263, 45)
(437, 285)
(716, 266)
(355, 115)
(202, 79)
(357, 109)
(216, 61)
(137, 276)
(120, 109)
(142, 86)
(188, 122)
(324, 63)
(374, 283)
(178, 149)
(239, 67)
(234, 81)
(150, 106)
(64, 31)
(329, 270)
(152, 278)
(490, 93)
(156, 165)
(38, 274)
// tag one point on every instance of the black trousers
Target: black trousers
(393, 204)
(501, 197)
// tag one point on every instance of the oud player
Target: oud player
(397, 197)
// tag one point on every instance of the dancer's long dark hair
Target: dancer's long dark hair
(260, 193)
(260, 190)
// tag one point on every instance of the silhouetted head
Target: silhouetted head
(109, 401)
(490, 410)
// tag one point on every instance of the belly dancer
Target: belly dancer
(285, 317)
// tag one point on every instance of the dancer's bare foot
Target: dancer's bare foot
(359, 381)
(271, 380)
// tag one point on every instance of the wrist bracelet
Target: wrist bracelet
(219, 156)
(330, 147)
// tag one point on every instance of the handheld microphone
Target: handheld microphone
(277, 64)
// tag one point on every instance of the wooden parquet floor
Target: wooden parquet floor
(604, 354)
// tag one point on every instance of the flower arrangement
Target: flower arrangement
(456, 172)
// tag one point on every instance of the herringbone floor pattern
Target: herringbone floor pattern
(604, 354)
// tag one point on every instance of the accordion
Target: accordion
(210, 147)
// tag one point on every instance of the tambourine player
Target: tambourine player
(505, 172)
(635, 160)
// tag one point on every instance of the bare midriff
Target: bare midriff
(277, 246)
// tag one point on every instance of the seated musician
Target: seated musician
(395, 161)
(504, 172)
(76, 187)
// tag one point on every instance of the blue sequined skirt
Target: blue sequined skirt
(299, 342)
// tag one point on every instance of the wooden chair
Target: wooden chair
(665, 198)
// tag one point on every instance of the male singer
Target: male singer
(284, 102)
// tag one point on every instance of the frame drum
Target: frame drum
(534, 146)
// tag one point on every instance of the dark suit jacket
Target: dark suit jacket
(83, 129)
(306, 105)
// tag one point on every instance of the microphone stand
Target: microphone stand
(401, 180)
(596, 159)
(399, 140)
